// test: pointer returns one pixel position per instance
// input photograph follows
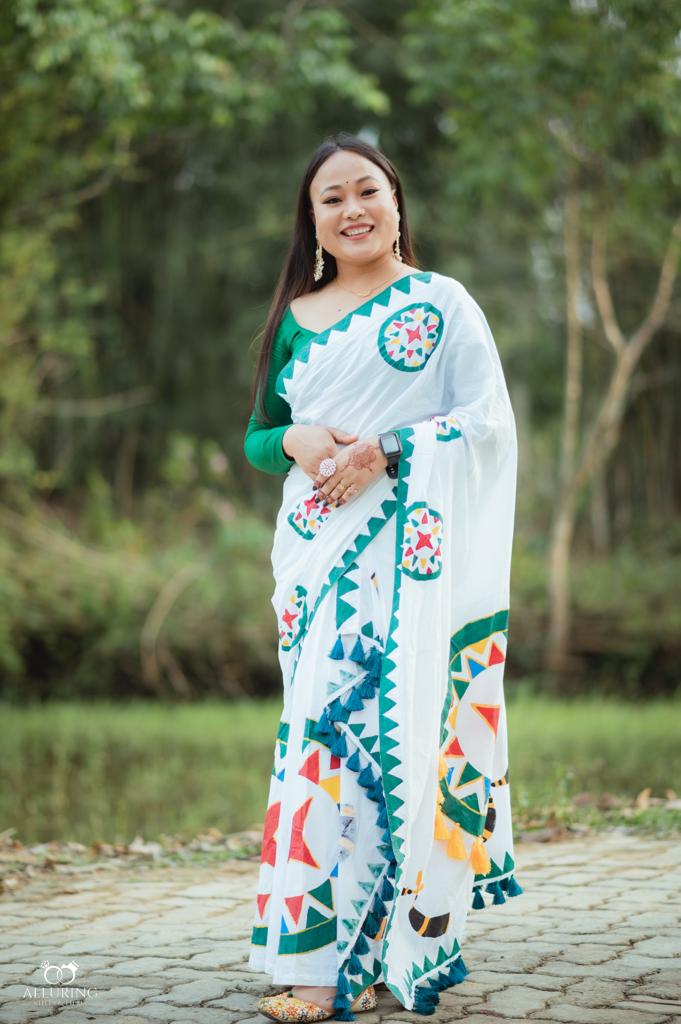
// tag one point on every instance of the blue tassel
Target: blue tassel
(361, 945)
(342, 984)
(376, 791)
(388, 890)
(387, 850)
(354, 702)
(342, 1003)
(366, 777)
(379, 907)
(478, 901)
(324, 725)
(371, 925)
(354, 964)
(336, 711)
(425, 1001)
(461, 965)
(337, 652)
(367, 688)
(353, 762)
(513, 887)
(387, 838)
(392, 867)
(382, 820)
(357, 652)
(339, 746)
(456, 974)
(495, 889)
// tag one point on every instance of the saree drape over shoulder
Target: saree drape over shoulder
(389, 809)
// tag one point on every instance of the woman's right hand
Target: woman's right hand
(308, 444)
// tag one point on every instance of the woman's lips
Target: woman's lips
(361, 234)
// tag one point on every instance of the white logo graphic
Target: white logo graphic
(55, 975)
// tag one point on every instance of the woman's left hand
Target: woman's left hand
(357, 465)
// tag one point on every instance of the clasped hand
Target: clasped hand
(356, 466)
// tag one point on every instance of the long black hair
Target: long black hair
(297, 276)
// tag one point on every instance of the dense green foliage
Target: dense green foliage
(149, 159)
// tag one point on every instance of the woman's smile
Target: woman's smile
(357, 230)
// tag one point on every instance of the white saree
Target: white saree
(389, 809)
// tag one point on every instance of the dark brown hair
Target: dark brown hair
(297, 276)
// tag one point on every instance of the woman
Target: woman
(389, 803)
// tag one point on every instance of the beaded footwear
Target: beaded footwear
(287, 1007)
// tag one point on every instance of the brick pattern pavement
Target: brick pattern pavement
(594, 939)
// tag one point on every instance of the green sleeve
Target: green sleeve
(262, 443)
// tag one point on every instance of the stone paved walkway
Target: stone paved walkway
(594, 939)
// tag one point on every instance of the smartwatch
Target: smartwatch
(391, 446)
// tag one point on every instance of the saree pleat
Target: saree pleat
(388, 814)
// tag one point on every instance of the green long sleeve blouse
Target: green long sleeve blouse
(263, 443)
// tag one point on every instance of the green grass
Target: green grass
(108, 772)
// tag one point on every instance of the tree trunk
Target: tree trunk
(555, 654)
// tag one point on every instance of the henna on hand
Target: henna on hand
(362, 456)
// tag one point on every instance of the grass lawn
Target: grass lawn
(109, 772)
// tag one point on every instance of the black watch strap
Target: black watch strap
(391, 446)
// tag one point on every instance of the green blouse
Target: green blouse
(262, 443)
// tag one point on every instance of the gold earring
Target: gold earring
(396, 248)
(318, 262)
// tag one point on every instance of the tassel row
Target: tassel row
(427, 995)
(339, 711)
(507, 885)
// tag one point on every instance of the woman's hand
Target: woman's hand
(308, 444)
(356, 466)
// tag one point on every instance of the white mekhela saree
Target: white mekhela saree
(389, 810)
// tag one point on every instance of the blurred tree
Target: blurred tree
(573, 108)
(99, 96)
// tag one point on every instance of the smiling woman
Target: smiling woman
(389, 803)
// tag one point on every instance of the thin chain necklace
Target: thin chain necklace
(363, 295)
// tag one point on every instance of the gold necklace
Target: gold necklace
(363, 295)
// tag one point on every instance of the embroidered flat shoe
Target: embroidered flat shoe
(287, 1007)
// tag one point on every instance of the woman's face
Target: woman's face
(349, 191)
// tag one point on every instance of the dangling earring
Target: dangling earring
(318, 262)
(396, 245)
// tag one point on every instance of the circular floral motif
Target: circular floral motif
(422, 543)
(447, 428)
(408, 339)
(308, 517)
(293, 619)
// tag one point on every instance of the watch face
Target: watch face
(390, 445)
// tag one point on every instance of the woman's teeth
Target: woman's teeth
(356, 231)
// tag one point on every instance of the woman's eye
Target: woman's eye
(366, 192)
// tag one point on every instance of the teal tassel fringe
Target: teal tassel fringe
(478, 901)
(353, 762)
(357, 652)
(513, 888)
(339, 745)
(361, 945)
(337, 652)
(427, 998)
(354, 964)
(367, 687)
(388, 890)
(335, 711)
(354, 702)
(379, 907)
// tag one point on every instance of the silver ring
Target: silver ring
(327, 467)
